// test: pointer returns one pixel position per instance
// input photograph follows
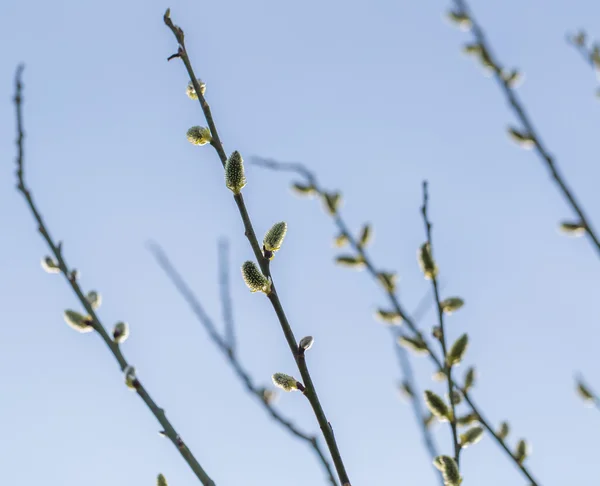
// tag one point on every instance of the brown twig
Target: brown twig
(56, 250)
(223, 343)
(310, 392)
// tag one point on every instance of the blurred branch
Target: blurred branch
(298, 353)
(526, 136)
(71, 277)
(226, 304)
(312, 183)
(223, 343)
(589, 53)
(586, 393)
(442, 335)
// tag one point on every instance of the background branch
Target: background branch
(311, 181)
(223, 343)
(70, 276)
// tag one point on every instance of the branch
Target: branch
(590, 54)
(71, 277)
(226, 304)
(223, 343)
(297, 352)
(528, 137)
(311, 182)
(442, 336)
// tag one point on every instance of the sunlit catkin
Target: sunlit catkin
(120, 332)
(458, 350)
(49, 265)
(235, 177)
(274, 238)
(191, 91)
(285, 382)
(199, 135)
(78, 322)
(447, 465)
(471, 436)
(94, 298)
(254, 279)
(451, 304)
(436, 405)
(161, 481)
(428, 266)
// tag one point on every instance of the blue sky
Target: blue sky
(375, 98)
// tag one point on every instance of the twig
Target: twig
(226, 304)
(442, 337)
(591, 55)
(393, 299)
(56, 249)
(298, 353)
(223, 344)
(519, 110)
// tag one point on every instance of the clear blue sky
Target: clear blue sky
(375, 97)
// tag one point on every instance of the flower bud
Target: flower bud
(461, 19)
(417, 345)
(285, 382)
(120, 332)
(356, 262)
(50, 265)
(428, 266)
(468, 419)
(306, 343)
(235, 178)
(268, 396)
(303, 189)
(451, 304)
(365, 235)
(191, 91)
(585, 393)
(388, 280)
(503, 431)
(340, 240)
(94, 298)
(523, 139)
(458, 350)
(161, 480)
(274, 238)
(469, 378)
(78, 322)
(521, 451)
(471, 436)
(437, 406)
(254, 279)
(130, 378)
(391, 317)
(572, 229)
(447, 465)
(199, 135)
(332, 202)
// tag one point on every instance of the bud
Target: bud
(456, 397)
(254, 279)
(471, 436)
(512, 78)
(428, 266)
(274, 237)
(439, 376)
(503, 431)
(468, 419)
(585, 393)
(365, 235)
(130, 378)
(472, 49)
(447, 465)
(388, 280)
(451, 304)
(306, 343)
(458, 350)
(50, 265)
(74, 275)
(268, 396)
(406, 390)
(391, 317)
(437, 406)
(160, 480)
(235, 179)
(162, 433)
(94, 298)
(437, 333)
(332, 202)
(199, 135)
(191, 91)
(469, 379)
(417, 345)
(460, 18)
(523, 139)
(356, 262)
(120, 332)
(521, 451)
(579, 38)
(572, 229)
(303, 189)
(78, 322)
(285, 382)
(340, 240)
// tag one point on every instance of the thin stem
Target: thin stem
(393, 299)
(440, 314)
(310, 391)
(223, 344)
(227, 307)
(521, 114)
(56, 250)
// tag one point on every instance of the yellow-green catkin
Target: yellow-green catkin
(436, 405)
(199, 135)
(390, 317)
(416, 345)
(585, 393)
(523, 139)
(471, 436)
(161, 481)
(356, 262)
(191, 91)
(470, 376)
(503, 431)
(49, 265)
(235, 177)
(388, 280)
(461, 19)
(254, 279)
(306, 343)
(572, 228)
(447, 465)
(458, 350)
(274, 237)
(428, 266)
(366, 235)
(468, 419)
(451, 304)
(303, 189)
(94, 298)
(332, 201)
(78, 322)
(340, 240)
(131, 378)
(512, 78)
(285, 382)
(120, 332)
(521, 451)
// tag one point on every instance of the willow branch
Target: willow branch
(226, 304)
(395, 303)
(223, 344)
(70, 276)
(310, 391)
(521, 114)
(440, 315)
